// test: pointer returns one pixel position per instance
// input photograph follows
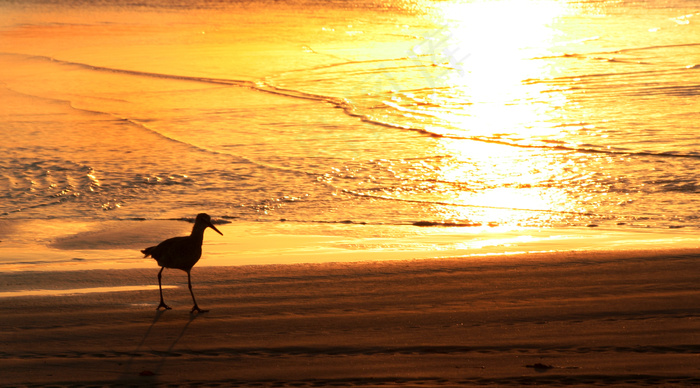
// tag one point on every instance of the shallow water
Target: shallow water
(517, 113)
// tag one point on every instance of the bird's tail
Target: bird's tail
(147, 252)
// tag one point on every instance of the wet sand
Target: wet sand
(626, 318)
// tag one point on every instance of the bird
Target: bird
(181, 253)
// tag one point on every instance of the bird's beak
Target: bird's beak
(214, 227)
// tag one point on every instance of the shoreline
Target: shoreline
(564, 318)
(70, 281)
(48, 245)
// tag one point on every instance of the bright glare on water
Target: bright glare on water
(511, 112)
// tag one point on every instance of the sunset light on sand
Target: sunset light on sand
(409, 192)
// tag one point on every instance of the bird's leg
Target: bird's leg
(195, 307)
(160, 287)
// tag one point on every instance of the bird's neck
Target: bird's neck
(198, 232)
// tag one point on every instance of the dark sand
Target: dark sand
(574, 319)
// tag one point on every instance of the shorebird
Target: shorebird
(181, 253)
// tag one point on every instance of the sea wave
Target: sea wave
(352, 109)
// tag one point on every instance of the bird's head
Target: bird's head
(204, 219)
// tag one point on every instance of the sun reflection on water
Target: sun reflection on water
(512, 185)
(507, 185)
(502, 38)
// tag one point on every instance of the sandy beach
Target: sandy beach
(626, 318)
(412, 193)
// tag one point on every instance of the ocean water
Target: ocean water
(519, 113)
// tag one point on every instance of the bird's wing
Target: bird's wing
(164, 248)
(176, 252)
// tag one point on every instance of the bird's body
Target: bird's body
(181, 253)
(177, 252)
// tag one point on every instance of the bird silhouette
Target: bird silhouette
(181, 253)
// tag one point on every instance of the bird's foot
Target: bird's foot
(163, 305)
(198, 310)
